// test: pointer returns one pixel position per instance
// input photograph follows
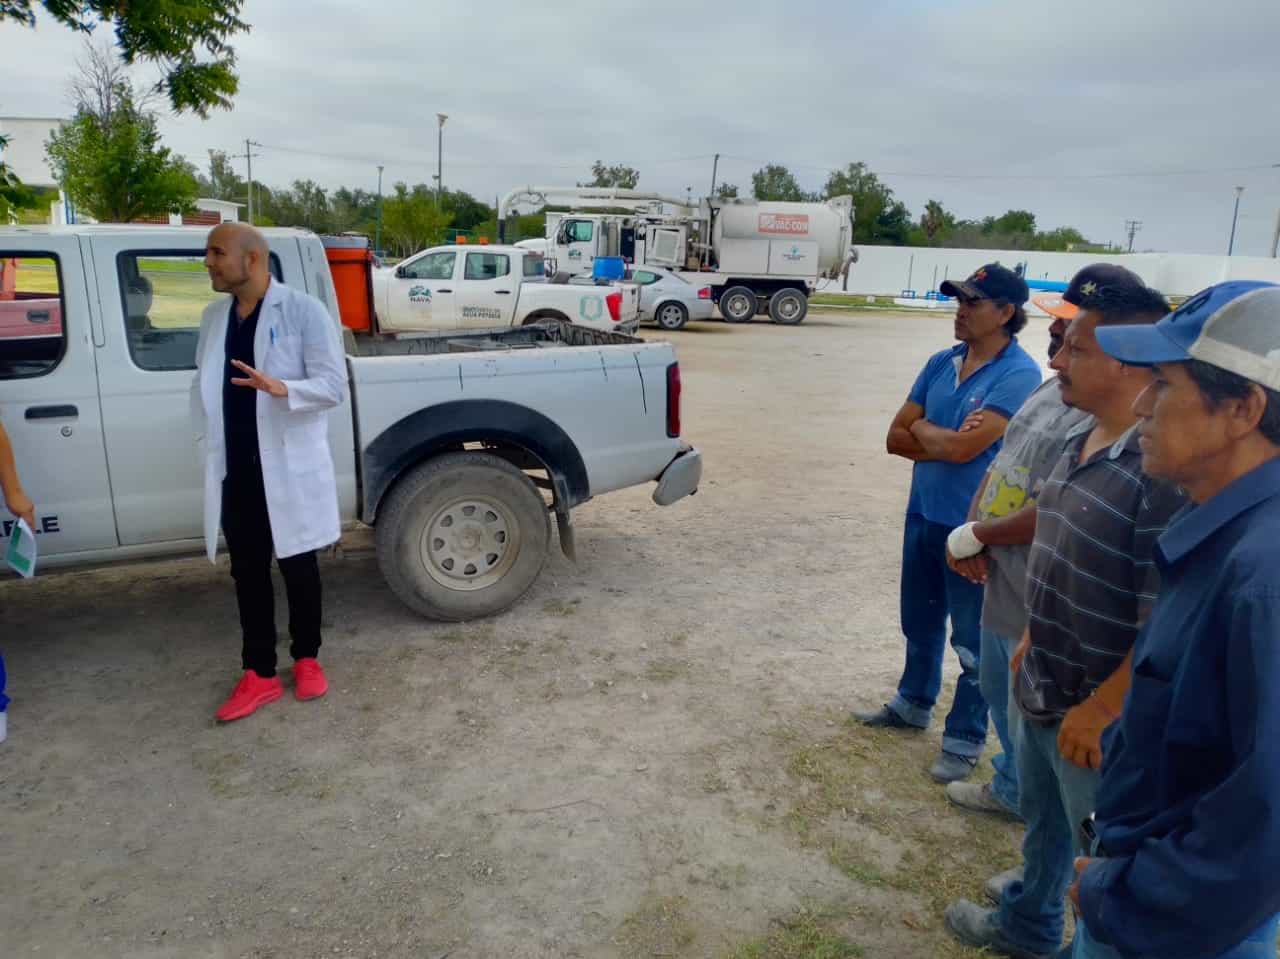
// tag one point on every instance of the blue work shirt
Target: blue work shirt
(1188, 811)
(941, 492)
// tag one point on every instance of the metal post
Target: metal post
(248, 162)
(911, 265)
(1231, 243)
(1275, 237)
(440, 161)
(377, 231)
(715, 166)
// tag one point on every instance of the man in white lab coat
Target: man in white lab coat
(269, 367)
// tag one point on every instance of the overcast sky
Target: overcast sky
(982, 105)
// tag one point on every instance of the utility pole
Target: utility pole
(441, 117)
(1132, 227)
(715, 166)
(248, 156)
(1275, 237)
(1231, 243)
(377, 230)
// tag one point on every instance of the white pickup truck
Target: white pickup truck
(457, 447)
(476, 287)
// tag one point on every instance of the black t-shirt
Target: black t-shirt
(240, 403)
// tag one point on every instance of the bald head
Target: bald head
(236, 256)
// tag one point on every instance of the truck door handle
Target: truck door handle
(52, 412)
(503, 292)
(444, 291)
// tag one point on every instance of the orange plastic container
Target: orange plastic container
(351, 264)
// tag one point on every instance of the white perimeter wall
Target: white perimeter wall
(887, 270)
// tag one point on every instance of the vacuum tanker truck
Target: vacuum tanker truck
(755, 256)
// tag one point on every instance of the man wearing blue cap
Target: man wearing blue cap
(987, 371)
(1186, 833)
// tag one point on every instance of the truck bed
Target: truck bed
(505, 338)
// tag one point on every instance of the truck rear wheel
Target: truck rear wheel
(788, 307)
(462, 536)
(738, 304)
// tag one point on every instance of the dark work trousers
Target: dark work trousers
(248, 531)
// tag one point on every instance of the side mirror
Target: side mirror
(401, 273)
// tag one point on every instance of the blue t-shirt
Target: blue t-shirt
(941, 492)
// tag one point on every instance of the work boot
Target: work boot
(950, 767)
(250, 693)
(980, 798)
(980, 928)
(884, 718)
(997, 884)
(308, 679)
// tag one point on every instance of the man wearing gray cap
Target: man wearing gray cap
(1186, 833)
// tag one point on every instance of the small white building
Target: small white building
(228, 210)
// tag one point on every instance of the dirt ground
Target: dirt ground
(648, 756)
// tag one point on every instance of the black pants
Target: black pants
(248, 531)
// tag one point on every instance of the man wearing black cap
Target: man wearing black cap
(987, 371)
(994, 546)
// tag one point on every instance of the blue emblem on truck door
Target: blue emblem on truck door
(591, 308)
(420, 294)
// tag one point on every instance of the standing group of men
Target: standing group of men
(1099, 544)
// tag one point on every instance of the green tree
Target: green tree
(877, 216)
(355, 210)
(776, 182)
(936, 222)
(618, 175)
(411, 220)
(727, 191)
(1013, 222)
(186, 39)
(109, 158)
(466, 210)
(222, 183)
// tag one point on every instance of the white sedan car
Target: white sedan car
(668, 299)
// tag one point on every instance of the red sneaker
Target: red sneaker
(308, 679)
(251, 692)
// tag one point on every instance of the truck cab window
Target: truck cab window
(580, 231)
(433, 266)
(487, 266)
(32, 336)
(163, 294)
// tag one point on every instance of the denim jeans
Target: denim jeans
(1056, 796)
(1260, 945)
(931, 593)
(993, 669)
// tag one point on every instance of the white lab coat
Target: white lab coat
(296, 341)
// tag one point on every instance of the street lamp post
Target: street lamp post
(1231, 243)
(377, 231)
(441, 117)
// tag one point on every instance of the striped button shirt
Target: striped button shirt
(1091, 577)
